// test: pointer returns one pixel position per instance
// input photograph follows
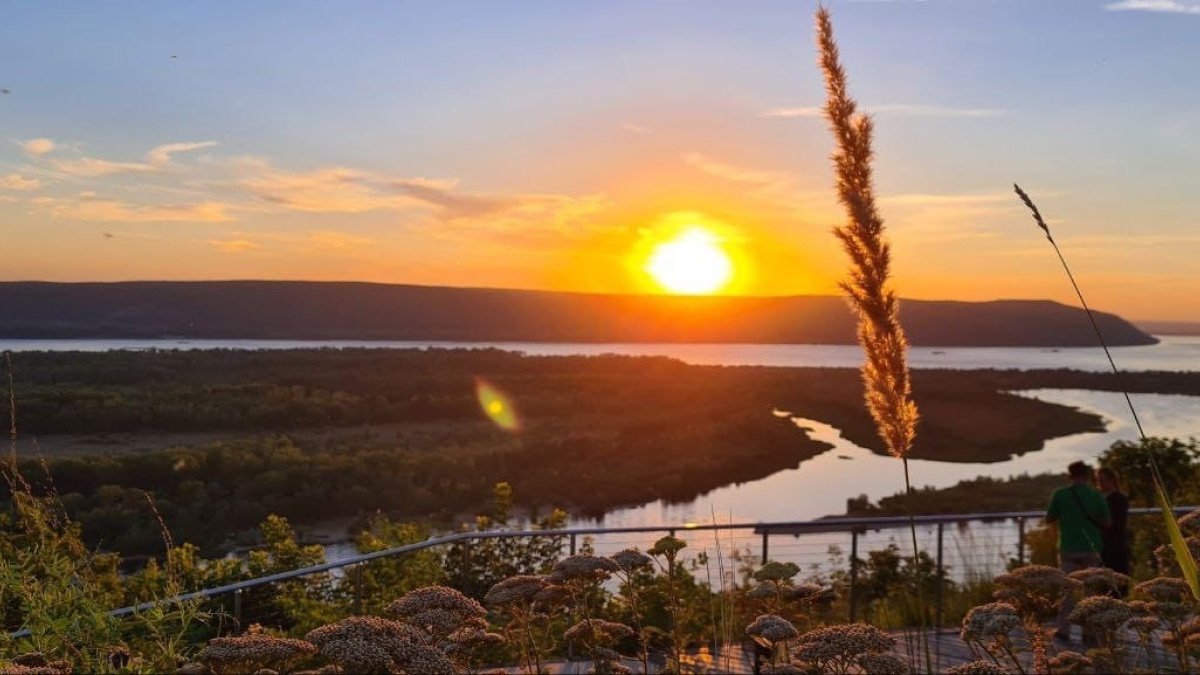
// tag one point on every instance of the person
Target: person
(1116, 538)
(1081, 514)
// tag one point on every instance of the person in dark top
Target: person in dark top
(1115, 554)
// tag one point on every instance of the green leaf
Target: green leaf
(1183, 554)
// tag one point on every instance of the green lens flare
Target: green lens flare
(497, 405)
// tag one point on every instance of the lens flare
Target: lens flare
(497, 405)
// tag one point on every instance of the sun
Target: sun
(693, 263)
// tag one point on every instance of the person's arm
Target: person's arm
(1053, 510)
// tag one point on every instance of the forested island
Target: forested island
(223, 438)
(295, 310)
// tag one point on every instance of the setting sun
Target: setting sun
(692, 263)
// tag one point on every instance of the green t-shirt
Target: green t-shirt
(1077, 533)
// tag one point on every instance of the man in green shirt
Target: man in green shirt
(1081, 513)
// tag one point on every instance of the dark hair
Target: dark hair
(1110, 474)
(1079, 470)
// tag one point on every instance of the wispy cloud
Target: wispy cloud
(88, 206)
(157, 160)
(781, 188)
(16, 181)
(37, 147)
(1166, 6)
(328, 190)
(904, 109)
(638, 129)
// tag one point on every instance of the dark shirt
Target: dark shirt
(1116, 538)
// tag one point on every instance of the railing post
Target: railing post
(1020, 540)
(358, 588)
(671, 532)
(237, 609)
(766, 534)
(572, 543)
(853, 575)
(941, 572)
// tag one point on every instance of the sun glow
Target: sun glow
(692, 263)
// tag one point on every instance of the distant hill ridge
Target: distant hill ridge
(305, 310)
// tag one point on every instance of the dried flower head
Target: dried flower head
(1168, 563)
(1100, 580)
(1163, 589)
(631, 559)
(368, 644)
(772, 628)
(1069, 662)
(252, 652)
(1143, 625)
(994, 619)
(1034, 589)
(668, 547)
(437, 610)
(882, 664)
(777, 571)
(584, 568)
(976, 668)
(597, 632)
(1190, 523)
(846, 643)
(1101, 612)
(519, 588)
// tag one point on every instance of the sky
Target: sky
(550, 145)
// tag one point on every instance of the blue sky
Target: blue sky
(535, 144)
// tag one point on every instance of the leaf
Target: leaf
(1187, 562)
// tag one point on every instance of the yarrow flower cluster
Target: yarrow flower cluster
(597, 630)
(772, 628)
(810, 593)
(1190, 523)
(251, 652)
(777, 571)
(35, 663)
(585, 568)
(1163, 589)
(631, 559)
(1034, 589)
(1101, 612)
(976, 668)
(514, 589)
(994, 619)
(1166, 555)
(882, 664)
(1100, 580)
(846, 643)
(368, 644)
(438, 610)
(1068, 662)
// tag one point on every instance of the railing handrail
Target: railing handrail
(823, 525)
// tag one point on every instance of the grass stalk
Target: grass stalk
(885, 372)
(1187, 562)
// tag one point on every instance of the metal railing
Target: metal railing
(857, 528)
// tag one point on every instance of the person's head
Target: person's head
(1079, 471)
(1108, 479)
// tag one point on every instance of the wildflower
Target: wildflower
(631, 559)
(1163, 589)
(253, 652)
(761, 590)
(367, 644)
(586, 568)
(605, 632)
(1067, 662)
(35, 663)
(437, 610)
(1190, 523)
(883, 664)
(514, 589)
(1034, 589)
(1143, 625)
(777, 571)
(844, 643)
(994, 619)
(772, 628)
(667, 546)
(1166, 555)
(810, 593)
(1171, 612)
(552, 594)
(1100, 580)
(1101, 612)
(976, 668)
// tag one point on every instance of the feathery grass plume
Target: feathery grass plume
(885, 373)
(1183, 553)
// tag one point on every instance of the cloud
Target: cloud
(233, 245)
(5, 199)
(157, 160)
(733, 172)
(161, 156)
(88, 206)
(778, 187)
(1166, 6)
(15, 181)
(330, 190)
(636, 129)
(904, 109)
(38, 146)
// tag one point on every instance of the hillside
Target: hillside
(363, 311)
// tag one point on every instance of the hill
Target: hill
(305, 310)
